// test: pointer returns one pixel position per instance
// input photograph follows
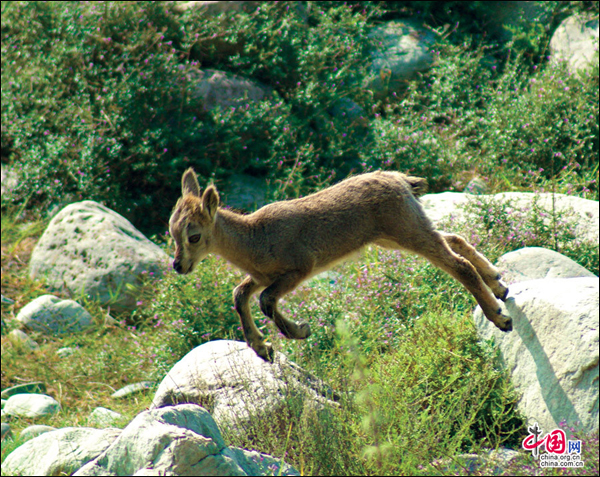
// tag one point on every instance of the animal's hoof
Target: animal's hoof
(500, 290)
(303, 330)
(264, 351)
(505, 323)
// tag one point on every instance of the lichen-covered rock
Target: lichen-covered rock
(59, 452)
(179, 440)
(236, 386)
(88, 248)
(576, 41)
(52, 316)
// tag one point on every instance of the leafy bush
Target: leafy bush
(465, 115)
(191, 309)
(97, 102)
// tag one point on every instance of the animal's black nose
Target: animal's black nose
(177, 266)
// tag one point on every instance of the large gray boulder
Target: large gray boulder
(88, 248)
(59, 452)
(52, 316)
(531, 263)
(400, 51)
(449, 207)
(179, 440)
(552, 352)
(576, 42)
(238, 387)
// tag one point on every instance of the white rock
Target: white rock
(20, 338)
(59, 452)
(531, 263)
(33, 431)
(65, 352)
(236, 385)
(88, 248)
(31, 405)
(449, 207)
(51, 315)
(104, 417)
(401, 51)
(178, 440)
(576, 41)
(552, 352)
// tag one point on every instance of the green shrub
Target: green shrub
(97, 102)
(191, 309)
(466, 115)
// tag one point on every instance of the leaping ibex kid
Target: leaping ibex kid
(284, 243)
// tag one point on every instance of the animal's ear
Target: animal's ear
(189, 183)
(210, 200)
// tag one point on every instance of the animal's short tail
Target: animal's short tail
(418, 185)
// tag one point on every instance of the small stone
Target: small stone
(31, 405)
(6, 432)
(104, 417)
(20, 338)
(65, 352)
(28, 388)
(132, 389)
(51, 315)
(34, 431)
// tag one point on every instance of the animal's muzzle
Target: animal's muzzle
(177, 266)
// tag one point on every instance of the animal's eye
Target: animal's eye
(194, 238)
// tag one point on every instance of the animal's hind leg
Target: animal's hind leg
(254, 338)
(433, 247)
(486, 270)
(268, 305)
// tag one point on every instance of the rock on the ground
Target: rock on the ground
(59, 452)
(104, 417)
(88, 248)
(245, 192)
(6, 432)
(31, 405)
(178, 440)
(51, 315)
(576, 41)
(401, 50)
(552, 352)
(35, 387)
(238, 387)
(583, 213)
(20, 338)
(531, 263)
(134, 388)
(33, 431)
(225, 90)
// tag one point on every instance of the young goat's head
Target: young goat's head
(192, 221)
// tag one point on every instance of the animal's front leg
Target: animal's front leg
(254, 338)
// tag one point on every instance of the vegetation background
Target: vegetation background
(97, 104)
